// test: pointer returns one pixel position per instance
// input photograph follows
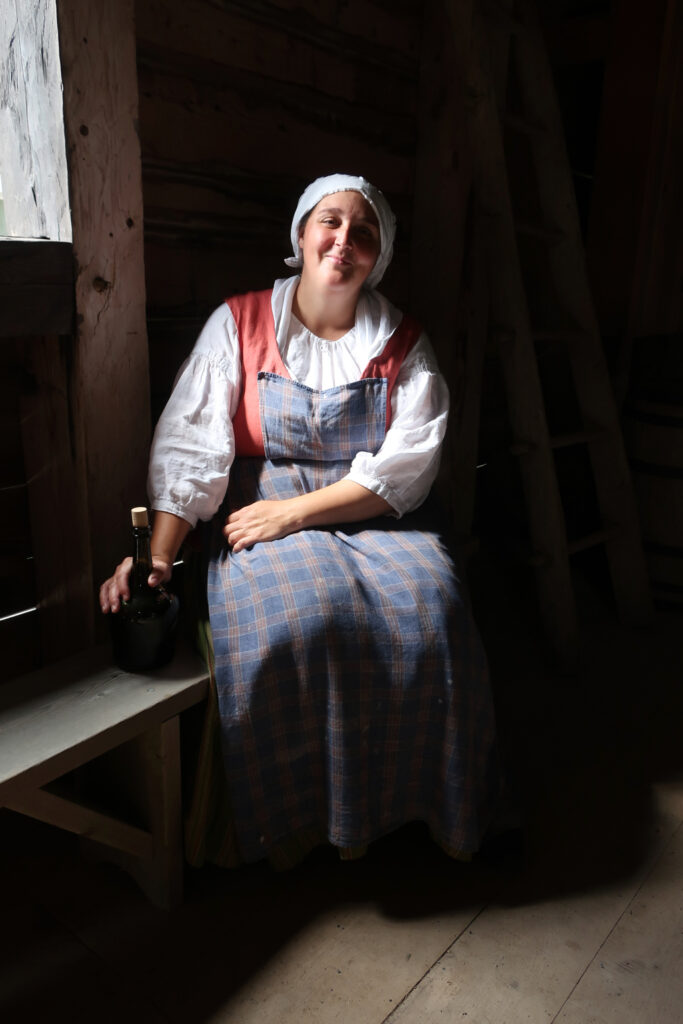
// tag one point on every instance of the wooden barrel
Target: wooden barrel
(653, 434)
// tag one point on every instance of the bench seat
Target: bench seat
(59, 718)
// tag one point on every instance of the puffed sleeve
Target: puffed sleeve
(405, 467)
(194, 445)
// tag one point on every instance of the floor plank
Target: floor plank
(353, 965)
(329, 941)
(637, 974)
(520, 963)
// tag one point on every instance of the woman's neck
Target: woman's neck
(327, 316)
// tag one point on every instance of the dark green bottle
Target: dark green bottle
(144, 628)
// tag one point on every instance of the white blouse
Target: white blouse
(194, 445)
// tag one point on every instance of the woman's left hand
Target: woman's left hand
(264, 520)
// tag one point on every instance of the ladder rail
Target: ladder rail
(524, 394)
(535, 252)
(593, 387)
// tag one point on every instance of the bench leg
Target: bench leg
(160, 875)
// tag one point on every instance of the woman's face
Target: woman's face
(340, 242)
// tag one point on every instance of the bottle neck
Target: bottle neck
(142, 557)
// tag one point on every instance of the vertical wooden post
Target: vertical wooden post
(110, 376)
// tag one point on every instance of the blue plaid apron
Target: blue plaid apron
(352, 685)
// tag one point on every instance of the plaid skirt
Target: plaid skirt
(351, 683)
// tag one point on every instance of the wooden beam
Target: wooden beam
(219, 87)
(371, 68)
(110, 380)
(36, 288)
(306, 25)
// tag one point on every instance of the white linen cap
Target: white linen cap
(326, 186)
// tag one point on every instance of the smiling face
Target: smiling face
(340, 242)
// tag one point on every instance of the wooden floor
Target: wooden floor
(582, 923)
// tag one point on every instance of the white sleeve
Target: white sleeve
(194, 444)
(405, 467)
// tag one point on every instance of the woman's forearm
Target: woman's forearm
(343, 502)
(168, 533)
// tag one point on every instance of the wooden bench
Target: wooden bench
(58, 719)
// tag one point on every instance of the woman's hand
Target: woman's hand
(117, 587)
(264, 520)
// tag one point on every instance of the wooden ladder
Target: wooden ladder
(540, 301)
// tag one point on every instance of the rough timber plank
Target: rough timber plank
(290, 47)
(521, 963)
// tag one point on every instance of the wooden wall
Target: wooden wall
(237, 105)
(241, 105)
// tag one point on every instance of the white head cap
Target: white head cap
(322, 187)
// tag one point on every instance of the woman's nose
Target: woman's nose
(343, 237)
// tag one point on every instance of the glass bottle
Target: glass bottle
(144, 628)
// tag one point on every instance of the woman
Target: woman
(307, 422)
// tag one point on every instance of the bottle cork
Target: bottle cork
(139, 516)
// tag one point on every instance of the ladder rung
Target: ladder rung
(521, 124)
(572, 438)
(591, 540)
(541, 231)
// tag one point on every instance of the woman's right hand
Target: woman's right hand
(117, 588)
